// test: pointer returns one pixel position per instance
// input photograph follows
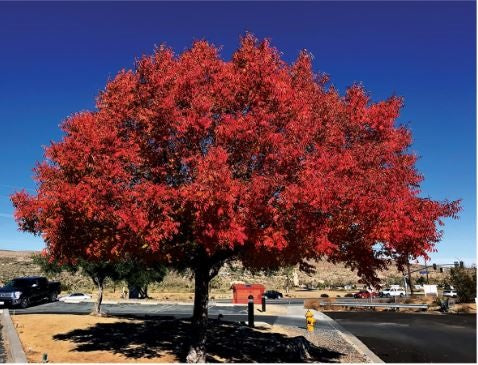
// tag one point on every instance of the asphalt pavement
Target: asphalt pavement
(413, 337)
(126, 309)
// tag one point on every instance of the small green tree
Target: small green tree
(464, 282)
(50, 267)
(97, 271)
(421, 280)
(139, 275)
(289, 277)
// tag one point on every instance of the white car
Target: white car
(450, 293)
(75, 297)
(392, 292)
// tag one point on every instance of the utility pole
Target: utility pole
(409, 275)
(426, 270)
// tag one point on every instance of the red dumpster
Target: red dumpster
(241, 292)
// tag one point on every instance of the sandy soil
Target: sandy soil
(37, 331)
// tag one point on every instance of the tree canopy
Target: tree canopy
(191, 160)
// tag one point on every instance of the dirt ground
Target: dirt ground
(87, 339)
(38, 334)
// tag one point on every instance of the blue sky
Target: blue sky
(55, 57)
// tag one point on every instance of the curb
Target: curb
(123, 301)
(14, 347)
(352, 339)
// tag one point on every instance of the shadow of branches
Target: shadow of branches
(227, 341)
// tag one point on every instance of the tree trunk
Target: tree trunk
(197, 351)
(99, 281)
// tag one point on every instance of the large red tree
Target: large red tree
(192, 160)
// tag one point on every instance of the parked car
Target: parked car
(28, 290)
(273, 294)
(75, 297)
(392, 292)
(450, 293)
(365, 294)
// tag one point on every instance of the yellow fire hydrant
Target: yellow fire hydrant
(309, 320)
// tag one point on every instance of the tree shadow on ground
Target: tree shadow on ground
(227, 341)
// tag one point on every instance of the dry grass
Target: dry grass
(315, 304)
(430, 300)
(463, 308)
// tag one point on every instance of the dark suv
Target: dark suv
(273, 294)
(24, 291)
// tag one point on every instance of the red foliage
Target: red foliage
(252, 158)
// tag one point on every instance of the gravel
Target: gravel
(326, 338)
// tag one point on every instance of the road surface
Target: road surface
(413, 337)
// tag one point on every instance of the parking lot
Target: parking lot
(134, 309)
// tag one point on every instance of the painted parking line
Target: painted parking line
(163, 308)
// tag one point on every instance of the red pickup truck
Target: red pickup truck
(364, 294)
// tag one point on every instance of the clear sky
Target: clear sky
(55, 57)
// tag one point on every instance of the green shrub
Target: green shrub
(464, 282)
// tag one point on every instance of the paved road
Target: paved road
(412, 337)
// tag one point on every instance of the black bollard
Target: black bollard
(250, 311)
(263, 303)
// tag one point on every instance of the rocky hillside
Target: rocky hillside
(19, 263)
